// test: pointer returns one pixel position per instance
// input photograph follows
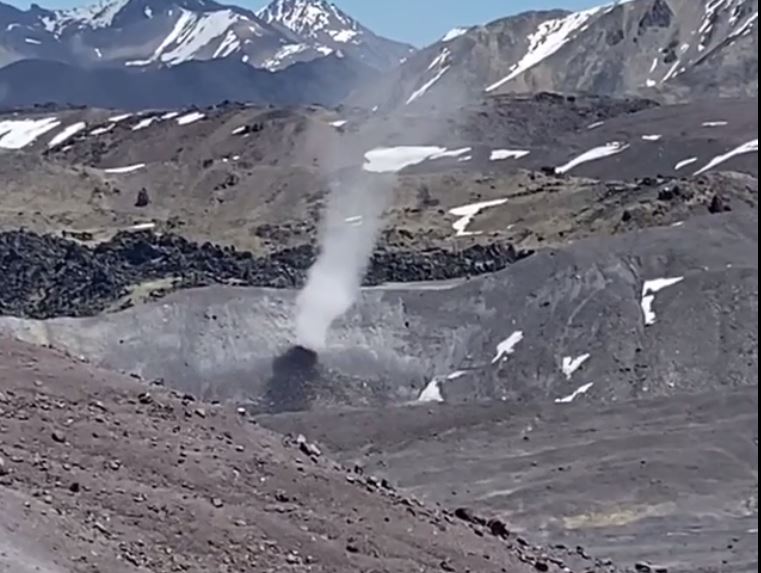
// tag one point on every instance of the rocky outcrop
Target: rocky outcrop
(47, 276)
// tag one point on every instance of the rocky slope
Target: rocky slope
(256, 178)
(659, 48)
(595, 320)
(98, 471)
(648, 467)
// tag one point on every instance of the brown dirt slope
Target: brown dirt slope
(102, 473)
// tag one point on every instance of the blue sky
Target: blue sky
(418, 22)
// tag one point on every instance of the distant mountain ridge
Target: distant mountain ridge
(668, 50)
(671, 49)
(159, 53)
(325, 81)
(163, 33)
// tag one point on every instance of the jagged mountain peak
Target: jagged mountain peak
(98, 15)
(311, 18)
(326, 24)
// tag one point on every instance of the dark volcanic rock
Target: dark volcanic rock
(143, 200)
(48, 276)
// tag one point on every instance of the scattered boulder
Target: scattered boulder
(143, 200)
(466, 514)
(718, 205)
(308, 448)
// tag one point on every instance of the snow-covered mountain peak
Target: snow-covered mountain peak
(117, 13)
(317, 19)
(328, 28)
(98, 15)
(166, 33)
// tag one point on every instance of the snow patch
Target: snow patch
(32, 41)
(745, 148)
(507, 346)
(142, 227)
(98, 15)
(581, 390)
(714, 123)
(393, 159)
(649, 290)
(338, 123)
(466, 213)
(192, 32)
(607, 150)
(343, 36)
(453, 34)
(126, 169)
(440, 59)
(571, 364)
(227, 46)
(431, 393)
(287, 51)
(421, 91)
(238, 130)
(189, 118)
(102, 130)
(66, 133)
(595, 125)
(548, 38)
(18, 133)
(685, 162)
(118, 118)
(673, 72)
(500, 154)
(451, 153)
(198, 32)
(746, 27)
(145, 122)
(652, 137)
(170, 115)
